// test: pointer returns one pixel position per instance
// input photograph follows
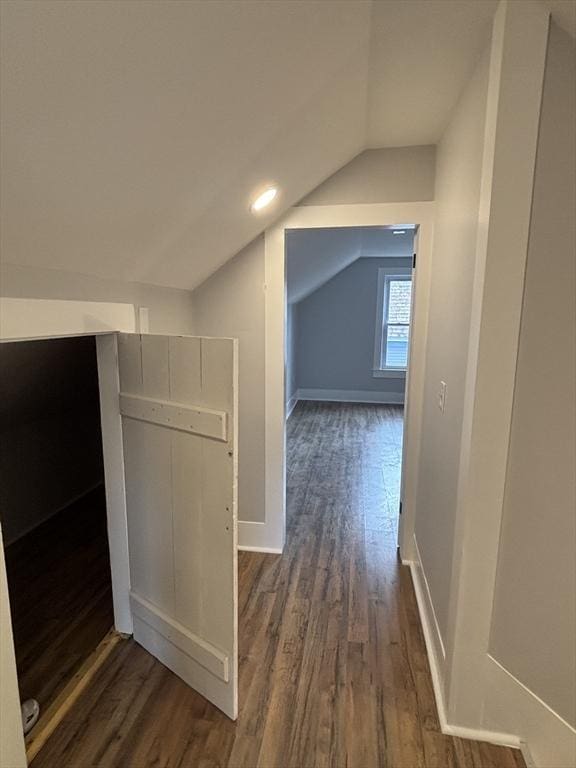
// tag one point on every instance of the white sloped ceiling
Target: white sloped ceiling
(134, 134)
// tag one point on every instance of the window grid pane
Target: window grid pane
(397, 346)
(396, 322)
(399, 300)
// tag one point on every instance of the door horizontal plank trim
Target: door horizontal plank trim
(185, 418)
(202, 652)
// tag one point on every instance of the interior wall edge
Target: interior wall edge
(533, 632)
(291, 404)
(514, 94)
(437, 662)
(170, 309)
(510, 704)
(12, 751)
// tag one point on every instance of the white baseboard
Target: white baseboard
(431, 630)
(513, 715)
(550, 740)
(437, 660)
(201, 666)
(350, 396)
(290, 405)
(257, 537)
(265, 550)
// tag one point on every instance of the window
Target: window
(392, 322)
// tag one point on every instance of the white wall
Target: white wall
(534, 621)
(231, 302)
(458, 175)
(396, 175)
(495, 571)
(170, 308)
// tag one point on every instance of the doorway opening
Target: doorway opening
(348, 319)
(395, 215)
(53, 512)
(165, 442)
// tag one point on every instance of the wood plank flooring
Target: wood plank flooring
(60, 596)
(333, 667)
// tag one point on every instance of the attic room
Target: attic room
(273, 367)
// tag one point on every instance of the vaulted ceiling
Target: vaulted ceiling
(134, 134)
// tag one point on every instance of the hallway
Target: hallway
(333, 667)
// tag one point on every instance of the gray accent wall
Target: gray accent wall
(334, 347)
(316, 255)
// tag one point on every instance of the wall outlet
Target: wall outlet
(442, 396)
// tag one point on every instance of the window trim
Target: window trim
(384, 274)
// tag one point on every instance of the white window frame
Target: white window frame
(385, 274)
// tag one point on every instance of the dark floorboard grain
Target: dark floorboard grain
(60, 596)
(333, 666)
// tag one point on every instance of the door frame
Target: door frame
(114, 479)
(46, 319)
(270, 535)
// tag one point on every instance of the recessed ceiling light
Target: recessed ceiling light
(264, 199)
(398, 231)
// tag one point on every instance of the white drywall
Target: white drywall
(497, 617)
(458, 177)
(442, 47)
(135, 134)
(231, 303)
(398, 174)
(534, 621)
(170, 308)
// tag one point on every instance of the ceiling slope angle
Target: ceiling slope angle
(134, 135)
(422, 53)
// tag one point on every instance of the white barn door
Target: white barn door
(178, 400)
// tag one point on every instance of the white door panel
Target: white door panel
(179, 417)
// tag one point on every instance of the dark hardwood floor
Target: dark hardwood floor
(333, 665)
(60, 596)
